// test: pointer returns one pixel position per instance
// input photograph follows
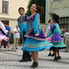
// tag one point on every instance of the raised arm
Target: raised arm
(36, 25)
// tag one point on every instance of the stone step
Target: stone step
(3, 49)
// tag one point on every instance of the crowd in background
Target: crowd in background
(8, 34)
(17, 37)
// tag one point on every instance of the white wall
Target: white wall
(13, 11)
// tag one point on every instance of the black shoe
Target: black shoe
(59, 57)
(53, 55)
(0, 47)
(35, 64)
(55, 59)
(49, 54)
(23, 60)
(29, 59)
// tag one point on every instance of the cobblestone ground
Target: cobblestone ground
(9, 60)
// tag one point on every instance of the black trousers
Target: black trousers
(26, 55)
(20, 41)
(5, 43)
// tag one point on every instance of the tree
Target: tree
(38, 2)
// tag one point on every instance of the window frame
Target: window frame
(55, 0)
(4, 7)
(64, 22)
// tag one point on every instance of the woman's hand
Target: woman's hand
(36, 34)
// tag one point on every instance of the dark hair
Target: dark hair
(55, 17)
(49, 20)
(40, 10)
(6, 23)
(67, 30)
(21, 8)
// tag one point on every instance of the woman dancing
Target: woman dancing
(56, 38)
(36, 39)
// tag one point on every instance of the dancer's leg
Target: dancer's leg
(35, 59)
(35, 54)
(55, 58)
(32, 56)
(57, 50)
(49, 53)
(58, 57)
(0, 44)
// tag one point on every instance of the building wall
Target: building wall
(60, 7)
(15, 4)
(13, 11)
(48, 10)
(43, 27)
(13, 24)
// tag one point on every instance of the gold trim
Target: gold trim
(36, 47)
(27, 32)
(23, 23)
(38, 43)
(38, 22)
(34, 37)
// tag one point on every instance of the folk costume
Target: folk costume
(24, 27)
(35, 43)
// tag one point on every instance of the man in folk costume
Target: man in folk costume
(24, 27)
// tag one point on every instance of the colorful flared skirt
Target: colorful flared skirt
(59, 45)
(31, 45)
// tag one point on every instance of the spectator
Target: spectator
(62, 34)
(48, 29)
(8, 33)
(16, 37)
(67, 39)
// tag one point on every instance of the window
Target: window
(55, 0)
(64, 22)
(5, 6)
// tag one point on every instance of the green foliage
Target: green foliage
(38, 2)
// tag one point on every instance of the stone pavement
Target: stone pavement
(9, 60)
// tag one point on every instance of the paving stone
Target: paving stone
(9, 60)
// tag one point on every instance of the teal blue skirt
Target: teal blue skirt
(31, 45)
(59, 45)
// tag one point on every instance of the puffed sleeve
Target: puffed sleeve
(57, 29)
(50, 33)
(36, 24)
